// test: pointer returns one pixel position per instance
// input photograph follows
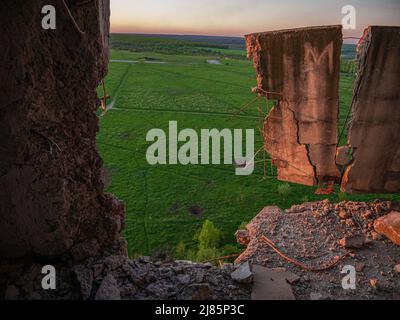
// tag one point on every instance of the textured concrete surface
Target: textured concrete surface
(374, 131)
(300, 69)
(389, 226)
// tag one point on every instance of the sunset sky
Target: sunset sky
(239, 17)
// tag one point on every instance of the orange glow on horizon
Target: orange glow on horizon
(240, 17)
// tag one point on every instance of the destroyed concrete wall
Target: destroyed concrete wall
(374, 131)
(51, 190)
(300, 69)
(52, 206)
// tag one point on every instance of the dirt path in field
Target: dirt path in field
(224, 114)
(137, 61)
(117, 90)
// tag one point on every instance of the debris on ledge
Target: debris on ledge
(116, 277)
(325, 237)
(389, 226)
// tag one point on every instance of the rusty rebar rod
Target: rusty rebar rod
(299, 264)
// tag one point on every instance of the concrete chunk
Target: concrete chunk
(270, 285)
(108, 289)
(243, 273)
(389, 226)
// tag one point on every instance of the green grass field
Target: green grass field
(197, 95)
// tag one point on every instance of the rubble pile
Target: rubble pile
(321, 235)
(116, 277)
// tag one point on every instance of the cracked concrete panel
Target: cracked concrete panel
(320, 157)
(291, 158)
(374, 131)
(300, 69)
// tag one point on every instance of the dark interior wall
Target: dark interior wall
(51, 189)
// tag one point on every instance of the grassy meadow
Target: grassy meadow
(152, 81)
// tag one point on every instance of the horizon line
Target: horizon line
(345, 41)
(177, 34)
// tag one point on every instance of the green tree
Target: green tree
(209, 236)
(208, 240)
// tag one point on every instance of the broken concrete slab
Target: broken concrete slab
(288, 275)
(374, 130)
(280, 141)
(389, 226)
(263, 222)
(300, 69)
(243, 273)
(270, 285)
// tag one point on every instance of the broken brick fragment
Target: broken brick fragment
(353, 242)
(242, 237)
(389, 226)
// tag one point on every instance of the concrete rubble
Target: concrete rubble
(113, 276)
(243, 273)
(353, 242)
(317, 234)
(389, 226)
